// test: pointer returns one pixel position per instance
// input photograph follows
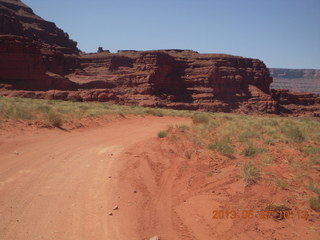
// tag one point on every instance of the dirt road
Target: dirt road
(61, 185)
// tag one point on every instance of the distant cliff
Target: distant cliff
(297, 80)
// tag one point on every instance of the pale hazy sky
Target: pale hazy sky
(282, 33)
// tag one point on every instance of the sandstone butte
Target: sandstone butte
(39, 60)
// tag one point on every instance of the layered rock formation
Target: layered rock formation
(179, 79)
(296, 80)
(297, 103)
(34, 53)
(38, 60)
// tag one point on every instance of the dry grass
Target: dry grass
(250, 173)
(55, 112)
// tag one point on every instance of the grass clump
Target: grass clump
(244, 136)
(251, 150)
(313, 187)
(224, 147)
(251, 174)
(315, 203)
(315, 160)
(162, 134)
(154, 112)
(200, 118)
(267, 159)
(295, 134)
(54, 119)
(183, 128)
(310, 150)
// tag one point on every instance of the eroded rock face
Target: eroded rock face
(179, 79)
(34, 53)
(297, 103)
(16, 18)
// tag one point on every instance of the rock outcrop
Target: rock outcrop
(297, 103)
(180, 79)
(34, 53)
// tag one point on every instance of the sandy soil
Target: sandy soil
(58, 184)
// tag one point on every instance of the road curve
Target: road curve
(56, 185)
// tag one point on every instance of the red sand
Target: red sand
(57, 184)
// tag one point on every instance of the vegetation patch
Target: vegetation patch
(162, 134)
(251, 150)
(250, 173)
(315, 203)
(200, 118)
(222, 146)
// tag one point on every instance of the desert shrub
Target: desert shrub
(162, 134)
(250, 172)
(222, 146)
(200, 118)
(54, 119)
(315, 203)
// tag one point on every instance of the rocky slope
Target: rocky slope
(297, 80)
(38, 60)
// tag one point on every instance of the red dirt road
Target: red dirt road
(60, 185)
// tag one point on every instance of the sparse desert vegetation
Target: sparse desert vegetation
(266, 150)
(55, 112)
(248, 161)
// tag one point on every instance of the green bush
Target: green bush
(162, 134)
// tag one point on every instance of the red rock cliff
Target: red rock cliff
(34, 53)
